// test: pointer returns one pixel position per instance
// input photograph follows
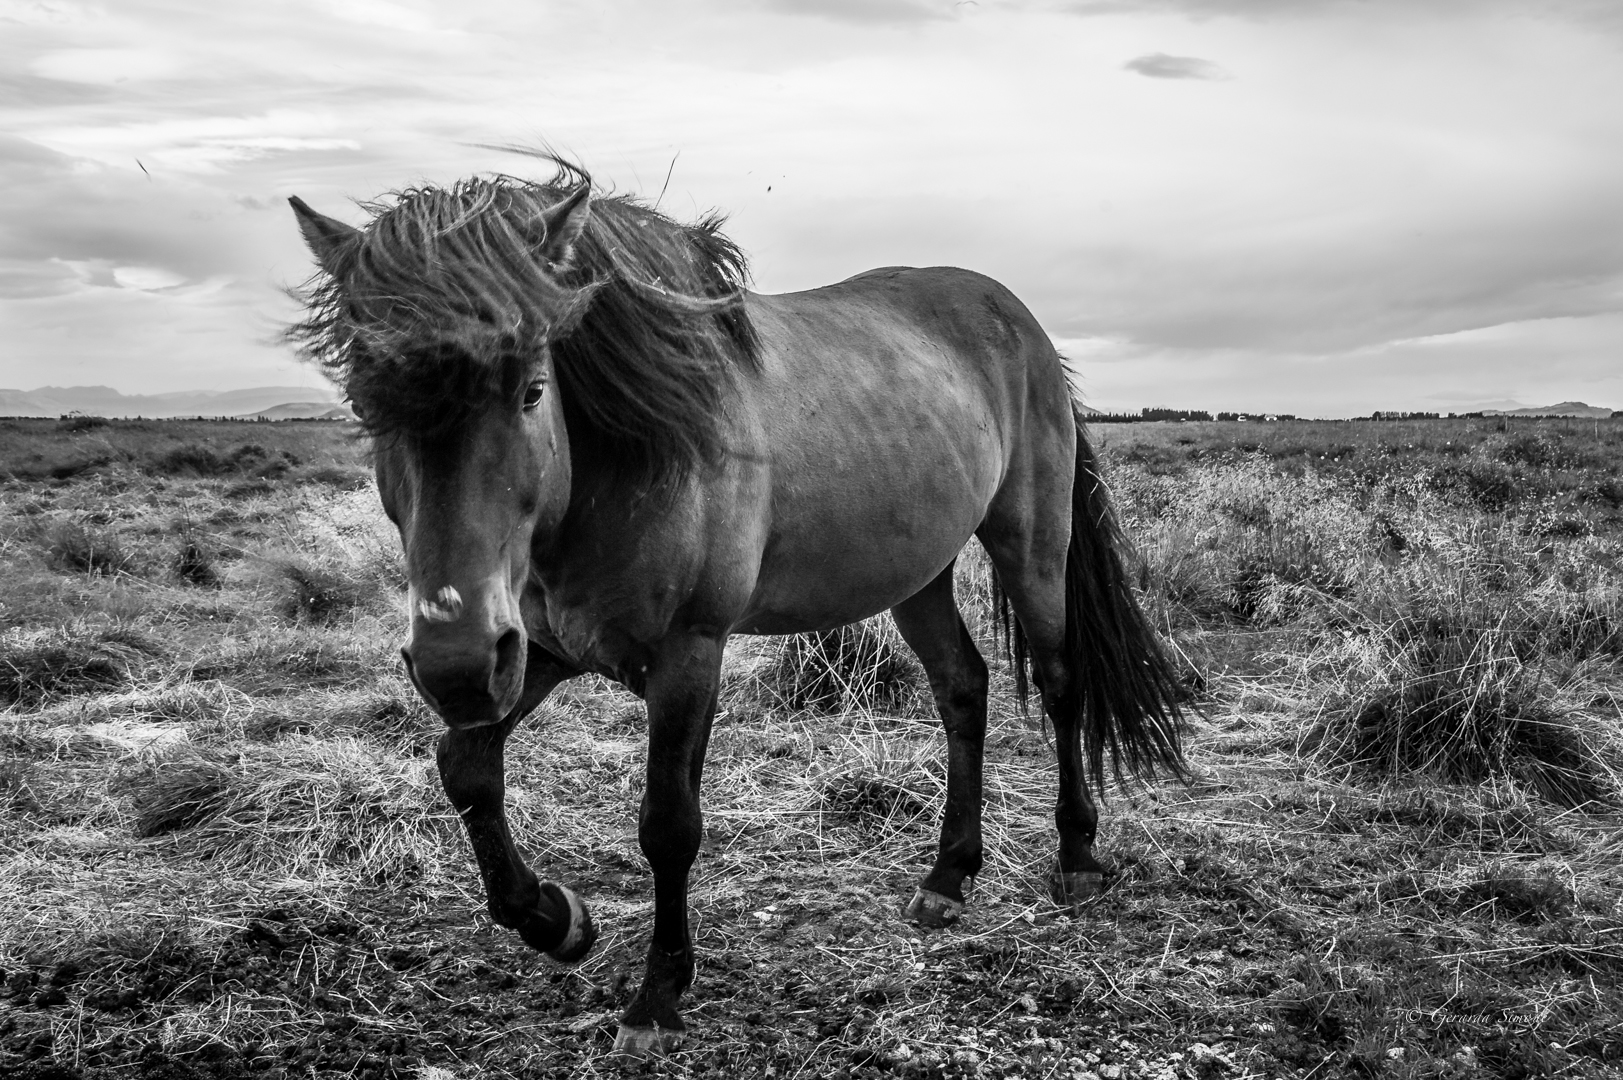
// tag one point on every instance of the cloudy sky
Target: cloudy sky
(1321, 206)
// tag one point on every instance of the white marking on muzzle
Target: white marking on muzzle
(445, 607)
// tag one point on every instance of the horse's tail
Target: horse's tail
(1123, 683)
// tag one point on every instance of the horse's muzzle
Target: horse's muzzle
(469, 683)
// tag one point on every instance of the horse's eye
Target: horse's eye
(532, 394)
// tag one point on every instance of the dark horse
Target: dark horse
(604, 455)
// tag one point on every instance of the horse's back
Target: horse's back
(889, 408)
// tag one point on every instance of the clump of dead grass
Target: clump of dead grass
(194, 562)
(179, 795)
(72, 547)
(389, 713)
(308, 809)
(861, 667)
(17, 779)
(1463, 682)
(312, 592)
(38, 666)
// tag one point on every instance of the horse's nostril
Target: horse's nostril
(411, 673)
(509, 654)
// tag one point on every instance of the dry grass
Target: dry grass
(864, 666)
(72, 547)
(228, 855)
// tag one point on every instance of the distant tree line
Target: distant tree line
(1144, 416)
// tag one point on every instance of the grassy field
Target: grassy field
(223, 851)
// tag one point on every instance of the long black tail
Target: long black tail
(1124, 685)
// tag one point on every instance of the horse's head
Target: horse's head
(438, 318)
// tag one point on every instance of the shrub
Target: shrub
(67, 470)
(1479, 485)
(1237, 539)
(1535, 449)
(72, 547)
(80, 422)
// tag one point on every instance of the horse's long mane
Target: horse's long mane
(444, 298)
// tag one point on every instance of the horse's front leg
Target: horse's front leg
(549, 917)
(681, 693)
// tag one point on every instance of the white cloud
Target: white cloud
(146, 278)
(104, 65)
(383, 13)
(1382, 172)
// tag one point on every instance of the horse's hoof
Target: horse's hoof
(582, 934)
(1070, 890)
(931, 909)
(640, 1042)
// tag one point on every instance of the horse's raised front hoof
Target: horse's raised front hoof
(1070, 890)
(640, 1042)
(582, 933)
(931, 909)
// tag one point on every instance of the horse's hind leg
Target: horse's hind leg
(1031, 570)
(931, 626)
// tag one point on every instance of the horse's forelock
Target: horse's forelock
(646, 322)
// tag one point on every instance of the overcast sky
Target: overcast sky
(1318, 206)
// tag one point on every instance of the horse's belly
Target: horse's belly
(848, 550)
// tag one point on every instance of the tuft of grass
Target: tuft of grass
(295, 808)
(388, 714)
(202, 460)
(874, 803)
(342, 477)
(1518, 894)
(17, 777)
(181, 794)
(71, 547)
(860, 667)
(1458, 687)
(37, 666)
(312, 592)
(194, 563)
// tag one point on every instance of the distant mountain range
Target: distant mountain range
(273, 402)
(1565, 408)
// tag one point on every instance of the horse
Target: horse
(604, 453)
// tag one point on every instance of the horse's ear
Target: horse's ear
(561, 225)
(330, 240)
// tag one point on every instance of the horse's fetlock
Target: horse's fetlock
(505, 913)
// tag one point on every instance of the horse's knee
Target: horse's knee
(470, 779)
(669, 830)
